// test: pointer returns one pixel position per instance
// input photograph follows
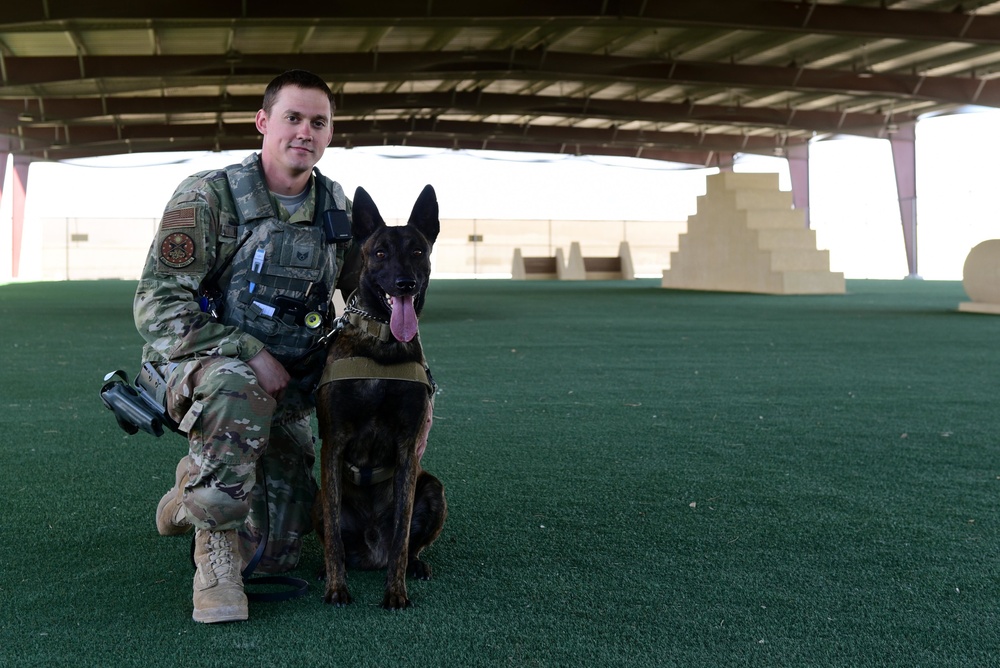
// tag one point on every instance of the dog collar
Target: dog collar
(366, 322)
(369, 325)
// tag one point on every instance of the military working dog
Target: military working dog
(379, 508)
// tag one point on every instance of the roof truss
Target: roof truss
(669, 80)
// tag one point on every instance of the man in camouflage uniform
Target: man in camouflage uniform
(237, 366)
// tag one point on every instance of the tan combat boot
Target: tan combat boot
(170, 518)
(218, 583)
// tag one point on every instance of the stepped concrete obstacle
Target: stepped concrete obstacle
(535, 268)
(610, 268)
(746, 237)
(981, 278)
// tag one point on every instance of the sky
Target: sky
(852, 191)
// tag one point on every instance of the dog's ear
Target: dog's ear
(425, 214)
(365, 216)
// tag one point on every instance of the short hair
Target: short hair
(300, 78)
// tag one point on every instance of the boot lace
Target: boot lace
(220, 556)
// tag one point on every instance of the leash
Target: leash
(296, 587)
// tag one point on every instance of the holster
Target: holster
(141, 405)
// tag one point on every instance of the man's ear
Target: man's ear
(261, 122)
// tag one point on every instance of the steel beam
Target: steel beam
(50, 111)
(52, 143)
(790, 17)
(36, 137)
(25, 74)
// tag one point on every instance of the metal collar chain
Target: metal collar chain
(352, 307)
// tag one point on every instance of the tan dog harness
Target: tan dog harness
(364, 368)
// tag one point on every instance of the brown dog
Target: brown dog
(379, 508)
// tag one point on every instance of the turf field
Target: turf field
(635, 477)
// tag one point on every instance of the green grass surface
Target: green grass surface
(635, 477)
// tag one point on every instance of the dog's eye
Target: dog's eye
(418, 253)
(380, 254)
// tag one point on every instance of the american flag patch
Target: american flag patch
(178, 218)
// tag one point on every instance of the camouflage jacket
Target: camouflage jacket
(199, 230)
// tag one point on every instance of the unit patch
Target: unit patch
(177, 250)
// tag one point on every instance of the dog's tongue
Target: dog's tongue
(404, 319)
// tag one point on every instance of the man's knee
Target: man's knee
(230, 419)
(216, 507)
(218, 387)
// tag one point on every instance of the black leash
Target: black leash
(296, 587)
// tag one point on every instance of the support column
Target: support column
(904, 161)
(3, 170)
(17, 211)
(724, 161)
(798, 170)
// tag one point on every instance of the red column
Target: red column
(904, 160)
(3, 170)
(724, 161)
(798, 170)
(17, 210)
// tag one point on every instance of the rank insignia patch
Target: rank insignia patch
(177, 250)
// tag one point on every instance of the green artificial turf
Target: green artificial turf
(635, 477)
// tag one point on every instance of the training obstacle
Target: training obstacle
(746, 237)
(981, 278)
(612, 268)
(537, 268)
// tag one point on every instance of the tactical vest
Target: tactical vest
(283, 274)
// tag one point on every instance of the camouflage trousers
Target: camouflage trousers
(251, 459)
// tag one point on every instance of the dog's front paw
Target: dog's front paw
(420, 570)
(395, 601)
(338, 596)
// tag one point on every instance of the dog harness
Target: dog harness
(365, 368)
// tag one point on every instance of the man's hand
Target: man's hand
(271, 375)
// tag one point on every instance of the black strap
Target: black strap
(296, 586)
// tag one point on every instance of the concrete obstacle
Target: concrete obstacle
(576, 268)
(746, 237)
(535, 268)
(981, 278)
(580, 268)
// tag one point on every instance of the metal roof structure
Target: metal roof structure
(690, 82)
